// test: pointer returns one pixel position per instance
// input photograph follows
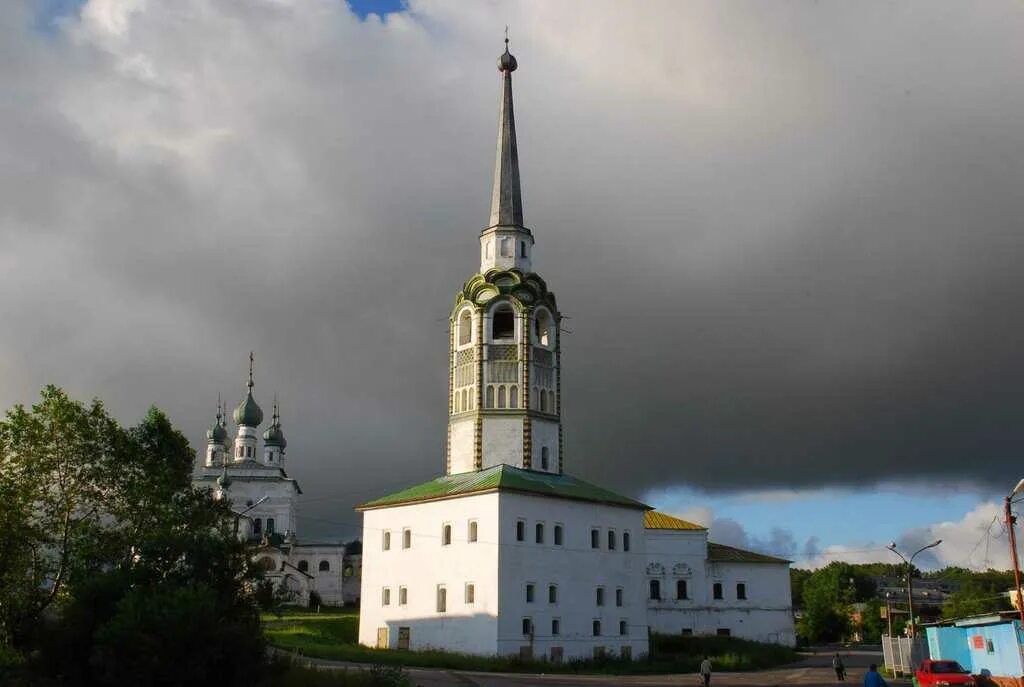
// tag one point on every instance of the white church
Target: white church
(264, 497)
(506, 553)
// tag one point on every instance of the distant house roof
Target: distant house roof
(728, 554)
(504, 478)
(656, 520)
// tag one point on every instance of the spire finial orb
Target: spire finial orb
(506, 62)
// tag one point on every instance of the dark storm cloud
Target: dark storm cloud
(787, 235)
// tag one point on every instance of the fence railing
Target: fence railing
(903, 654)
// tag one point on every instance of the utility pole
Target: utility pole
(1010, 521)
(910, 567)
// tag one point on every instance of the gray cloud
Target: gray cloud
(788, 236)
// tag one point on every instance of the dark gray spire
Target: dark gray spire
(506, 198)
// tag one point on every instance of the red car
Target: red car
(942, 674)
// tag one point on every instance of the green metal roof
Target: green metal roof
(504, 478)
(728, 554)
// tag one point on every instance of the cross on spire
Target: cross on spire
(251, 359)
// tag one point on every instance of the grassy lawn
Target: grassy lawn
(332, 634)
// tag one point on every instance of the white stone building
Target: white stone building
(698, 587)
(264, 498)
(505, 553)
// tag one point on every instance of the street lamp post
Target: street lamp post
(910, 583)
(1010, 521)
(240, 513)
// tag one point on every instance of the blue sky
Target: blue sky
(846, 517)
(48, 11)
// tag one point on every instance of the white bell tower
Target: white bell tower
(505, 355)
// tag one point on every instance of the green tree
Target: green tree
(109, 528)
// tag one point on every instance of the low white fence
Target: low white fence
(902, 654)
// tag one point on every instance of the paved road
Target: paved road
(815, 670)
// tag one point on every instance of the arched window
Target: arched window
(522, 248)
(446, 535)
(543, 401)
(490, 396)
(465, 328)
(304, 566)
(625, 541)
(544, 458)
(471, 535)
(257, 527)
(681, 589)
(503, 322)
(501, 396)
(542, 327)
(270, 525)
(325, 566)
(513, 396)
(540, 533)
(655, 590)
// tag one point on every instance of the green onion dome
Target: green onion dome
(248, 413)
(274, 436)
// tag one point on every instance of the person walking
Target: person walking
(837, 665)
(872, 678)
(705, 671)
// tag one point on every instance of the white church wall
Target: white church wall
(576, 570)
(544, 435)
(502, 441)
(462, 445)
(327, 583)
(469, 627)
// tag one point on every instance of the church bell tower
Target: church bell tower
(504, 391)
